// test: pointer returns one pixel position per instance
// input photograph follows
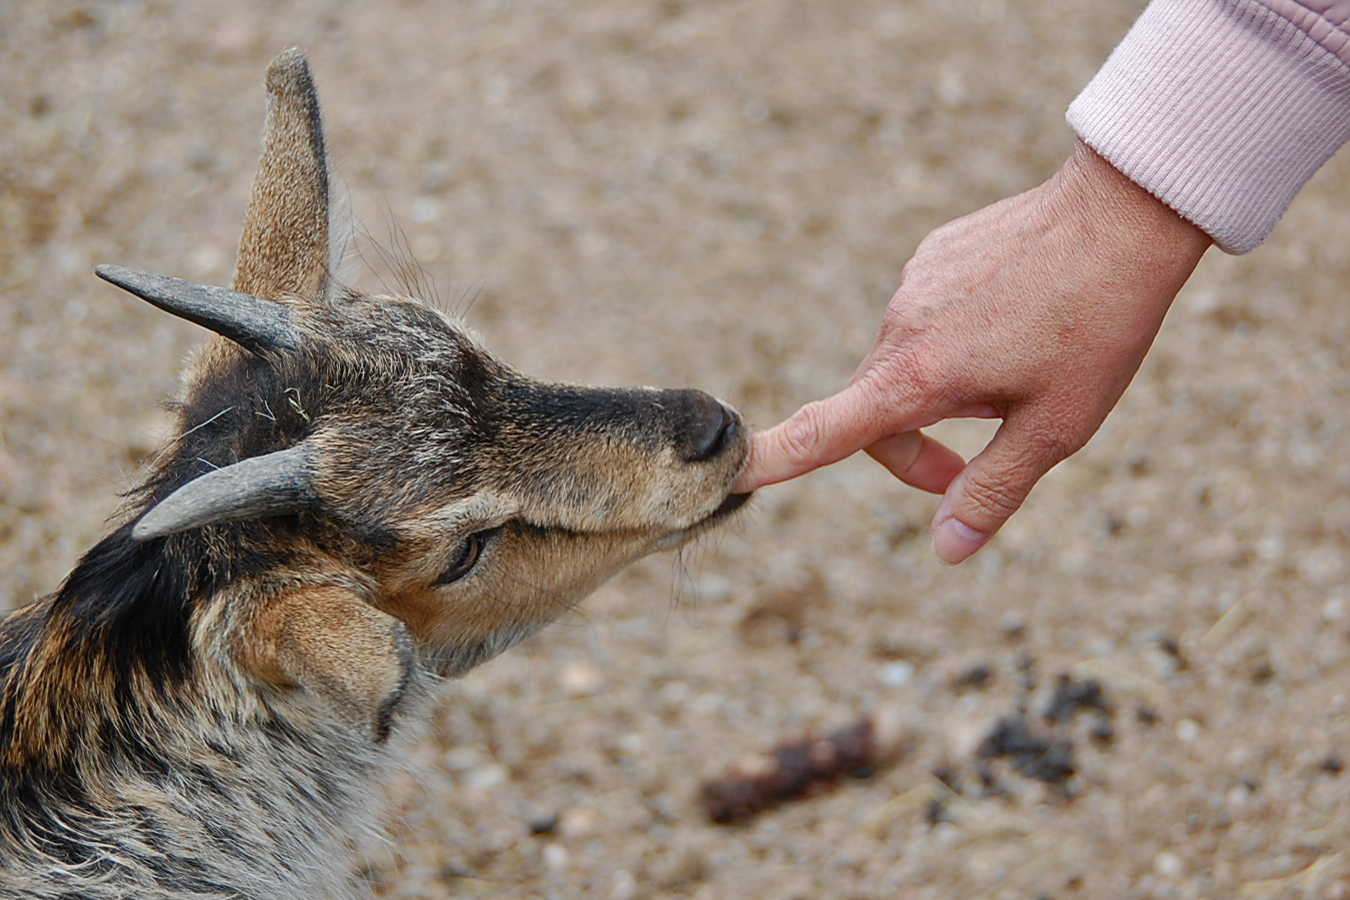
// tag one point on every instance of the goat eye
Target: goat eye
(465, 557)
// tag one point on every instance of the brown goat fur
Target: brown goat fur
(358, 500)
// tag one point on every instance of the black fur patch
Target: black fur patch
(132, 600)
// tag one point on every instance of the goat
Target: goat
(358, 501)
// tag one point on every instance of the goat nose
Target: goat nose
(713, 428)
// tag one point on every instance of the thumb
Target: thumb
(820, 433)
(990, 489)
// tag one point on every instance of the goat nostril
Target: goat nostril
(714, 433)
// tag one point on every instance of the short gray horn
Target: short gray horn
(257, 325)
(277, 484)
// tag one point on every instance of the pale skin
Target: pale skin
(1037, 310)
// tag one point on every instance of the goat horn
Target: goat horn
(257, 325)
(272, 485)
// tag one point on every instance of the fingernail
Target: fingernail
(954, 541)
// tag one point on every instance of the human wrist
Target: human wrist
(1126, 221)
(1222, 108)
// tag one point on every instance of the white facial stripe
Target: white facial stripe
(476, 513)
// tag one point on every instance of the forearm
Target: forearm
(1223, 108)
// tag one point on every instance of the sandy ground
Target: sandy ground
(722, 195)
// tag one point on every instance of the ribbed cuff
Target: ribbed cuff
(1222, 109)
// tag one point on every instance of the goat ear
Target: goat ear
(272, 485)
(332, 644)
(285, 247)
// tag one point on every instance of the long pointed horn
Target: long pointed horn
(272, 485)
(257, 325)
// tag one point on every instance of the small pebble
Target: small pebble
(625, 886)
(1167, 865)
(485, 777)
(579, 822)
(710, 588)
(425, 209)
(462, 759)
(977, 677)
(1187, 730)
(581, 678)
(897, 674)
(555, 857)
(542, 823)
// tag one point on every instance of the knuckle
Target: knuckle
(1056, 441)
(994, 502)
(911, 313)
(922, 372)
(933, 244)
(802, 433)
(912, 272)
(906, 374)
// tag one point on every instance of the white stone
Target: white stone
(625, 886)
(898, 673)
(483, 778)
(555, 857)
(1168, 865)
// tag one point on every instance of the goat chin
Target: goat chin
(358, 500)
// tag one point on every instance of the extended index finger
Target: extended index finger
(820, 433)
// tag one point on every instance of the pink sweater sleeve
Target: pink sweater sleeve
(1223, 109)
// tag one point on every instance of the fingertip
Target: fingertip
(954, 541)
(749, 479)
(816, 435)
(765, 463)
(988, 491)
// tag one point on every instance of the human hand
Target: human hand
(1036, 310)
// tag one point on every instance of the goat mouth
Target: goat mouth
(730, 505)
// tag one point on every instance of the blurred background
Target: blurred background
(722, 195)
